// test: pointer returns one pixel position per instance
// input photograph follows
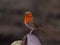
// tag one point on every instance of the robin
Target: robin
(30, 23)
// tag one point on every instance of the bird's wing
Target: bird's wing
(38, 27)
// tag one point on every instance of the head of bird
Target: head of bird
(28, 17)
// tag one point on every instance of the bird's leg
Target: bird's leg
(31, 31)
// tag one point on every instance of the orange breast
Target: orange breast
(28, 18)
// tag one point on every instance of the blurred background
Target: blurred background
(46, 13)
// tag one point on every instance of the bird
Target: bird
(30, 22)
